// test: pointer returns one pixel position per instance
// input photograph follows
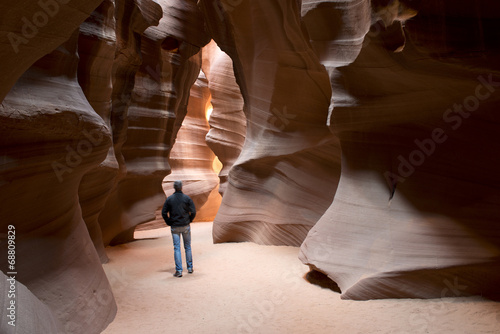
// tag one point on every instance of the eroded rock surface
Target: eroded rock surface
(32, 29)
(227, 121)
(96, 49)
(288, 169)
(27, 314)
(51, 137)
(85, 141)
(415, 213)
(159, 93)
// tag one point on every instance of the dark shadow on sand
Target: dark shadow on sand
(318, 278)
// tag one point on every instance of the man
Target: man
(178, 212)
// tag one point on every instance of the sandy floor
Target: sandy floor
(248, 288)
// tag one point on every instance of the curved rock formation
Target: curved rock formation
(33, 29)
(168, 64)
(132, 18)
(227, 121)
(191, 159)
(23, 312)
(96, 49)
(51, 137)
(416, 211)
(288, 169)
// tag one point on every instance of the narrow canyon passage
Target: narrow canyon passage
(351, 139)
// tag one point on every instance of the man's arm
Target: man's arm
(165, 211)
(192, 210)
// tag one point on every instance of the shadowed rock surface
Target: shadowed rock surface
(132, 19)
(416, 211)
(96, 49)
(51, 137)
(408, 105)
(32, 29)
(169, 64)
(28, 314)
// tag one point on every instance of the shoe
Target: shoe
(190, 270)
(178, 274)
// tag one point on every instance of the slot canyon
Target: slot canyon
(360, 138)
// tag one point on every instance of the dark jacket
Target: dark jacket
(178, 209)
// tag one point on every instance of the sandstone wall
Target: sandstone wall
(51, 137)
(32, 29)
(96, 49)
(28, 314)
(288, 169)
(168, 63)
(415, 213)
(227, 121)
(89, 117)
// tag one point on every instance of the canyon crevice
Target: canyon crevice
(363, 132)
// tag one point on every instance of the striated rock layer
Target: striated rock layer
(227, 121)
(191, 159)
(96, 49)
(167, 60)
(288, 169)
(416, 210)
(67, 142)
(27, 314)
(32, 29)
(51, 137)
(132, 19)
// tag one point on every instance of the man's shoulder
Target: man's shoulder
(171, 197)
(177, 195)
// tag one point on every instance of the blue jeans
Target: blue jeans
(186, 237)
